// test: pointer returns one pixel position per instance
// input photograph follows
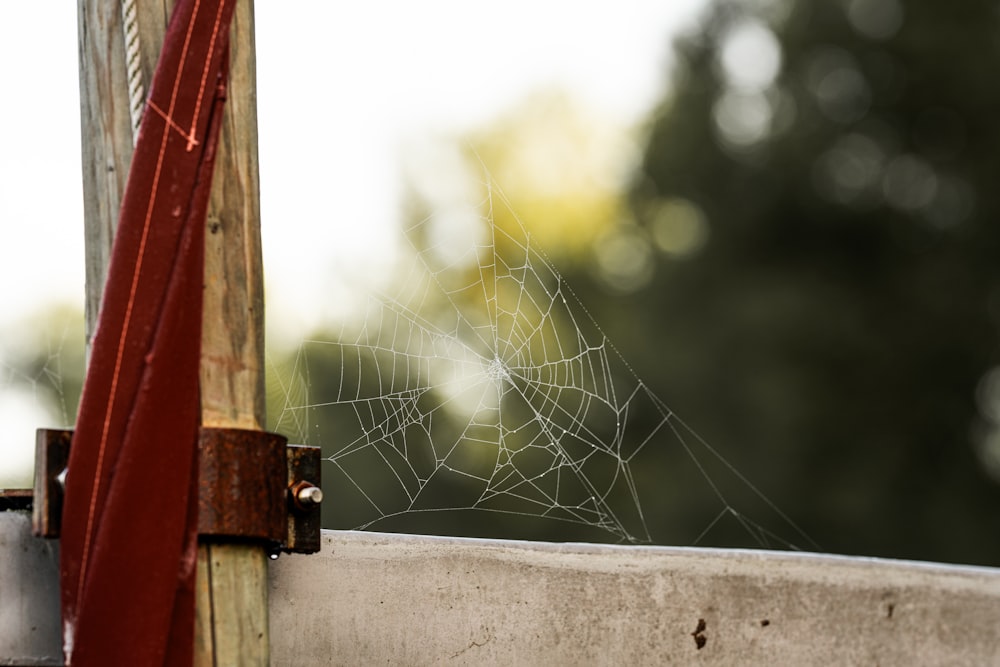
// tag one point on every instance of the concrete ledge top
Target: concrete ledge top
(616, 556)
(403, 599)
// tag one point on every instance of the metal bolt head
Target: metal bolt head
(309, 496)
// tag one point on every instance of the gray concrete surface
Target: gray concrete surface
(29, 595)
(371, 598)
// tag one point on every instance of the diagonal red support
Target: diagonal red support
(129, 521)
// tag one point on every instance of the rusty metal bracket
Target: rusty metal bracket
(241, 491)
(304, 497)
(51, 458)
(253, 486)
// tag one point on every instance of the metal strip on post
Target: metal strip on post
(252, 487)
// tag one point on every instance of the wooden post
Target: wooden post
(232, 623)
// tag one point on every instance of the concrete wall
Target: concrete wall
(29, 595)
(371, 598)
(388, 599)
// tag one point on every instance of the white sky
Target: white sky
(341, 86)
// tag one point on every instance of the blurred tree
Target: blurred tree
(562, 169)
(804, 268)
(820, 189)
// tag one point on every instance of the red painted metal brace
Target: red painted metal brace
(129, 521)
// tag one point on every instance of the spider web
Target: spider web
(34, 373)
(482, 383)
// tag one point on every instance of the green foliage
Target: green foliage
(831, 333)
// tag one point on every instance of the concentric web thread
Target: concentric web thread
(483, 384)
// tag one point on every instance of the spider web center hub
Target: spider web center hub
(498, 371)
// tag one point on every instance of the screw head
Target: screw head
(309, 496)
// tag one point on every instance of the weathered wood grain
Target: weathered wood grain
(232, 377)
(234, 592)
(106, 126)
(106, 149)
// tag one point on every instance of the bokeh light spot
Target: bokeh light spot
(624, 259)
(910, 183)
(750, 58)
(875, 19)
(678, 226)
